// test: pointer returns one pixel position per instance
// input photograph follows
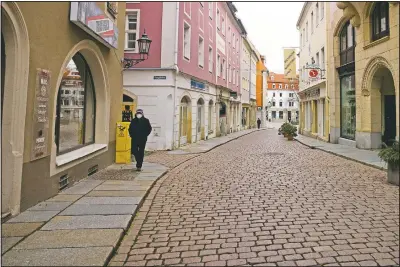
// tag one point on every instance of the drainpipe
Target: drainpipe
(176, 74)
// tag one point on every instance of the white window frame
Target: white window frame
(210, 34)
(210, 10)
(190, 9)
(201, 25)
(218, 65)
(210, 59)
(200, 58)
(218, 19)
(137, 31)
(224, 69)
(312, 22)
(190, 40)
(322, 10)
(280, 86)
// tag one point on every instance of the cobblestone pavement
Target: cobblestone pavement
(168, 160)
(261, 200)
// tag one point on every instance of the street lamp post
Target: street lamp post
(144, 47)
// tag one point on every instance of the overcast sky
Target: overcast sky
(271, 26)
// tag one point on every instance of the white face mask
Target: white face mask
(139, 116)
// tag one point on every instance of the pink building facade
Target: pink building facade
(189, 87)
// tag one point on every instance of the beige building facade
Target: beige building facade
(46, 145)
(363, 73)
(313, 94)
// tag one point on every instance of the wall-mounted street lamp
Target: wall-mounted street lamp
(144, 47)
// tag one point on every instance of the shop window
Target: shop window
(76, 113)
(347, 44)
(380, 20)
(132, 31)
(348, 107)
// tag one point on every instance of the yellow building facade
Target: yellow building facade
(56, 131)
(363, 73)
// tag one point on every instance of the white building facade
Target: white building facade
(312, 61)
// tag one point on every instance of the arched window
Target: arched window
(380, 20)
(76, 107)
(347, 44)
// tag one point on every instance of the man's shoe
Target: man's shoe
(139, 169)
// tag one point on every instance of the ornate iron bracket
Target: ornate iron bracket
(130, 62)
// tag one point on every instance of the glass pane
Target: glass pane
(131, 44)
(89, 110)
(376, 23)
(71, 108)
(383, 17)
(349, 36)
(343, 41)
(132, 36)
(132, 25)
(348, 107)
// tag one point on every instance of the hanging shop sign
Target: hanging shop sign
(40, 115)
(91, 18)
(290, 63)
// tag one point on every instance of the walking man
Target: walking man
(139, 129)
(258, 123)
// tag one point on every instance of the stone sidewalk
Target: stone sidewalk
(367, 157)
(82, 225)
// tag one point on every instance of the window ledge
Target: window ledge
(379, 41)
(79, 153)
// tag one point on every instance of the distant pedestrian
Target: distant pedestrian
(139, 130)
(258, 123)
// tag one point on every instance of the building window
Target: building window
(317, 58)
(201, 52)
(186, 40)
(280, 86)
(316, 14)
(290, 94)
(273, 94)
(273, 104)
(292, 86)
(347, 107)
(290, 104)
(210, 9)
(306, 31)
(322, 58)
(347, 44)
(322, 10)
(219, 66)
(280, 94)
(223, 68)
(380, 20)
(76, 113)
(223, 25)
(273, 86)
(312, 22)
(131, 31)
(218, 20)
(286, 86)
(201, 21)
(233, 40)
(210, 59)
(188, 8)
(280, 114)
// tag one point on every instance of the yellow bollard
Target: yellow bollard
(123, 143)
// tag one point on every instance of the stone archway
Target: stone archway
(98, 68)
(16, 49)
(380, 117)
(185, 121)
(200, 135)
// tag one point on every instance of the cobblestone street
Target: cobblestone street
(264, 201)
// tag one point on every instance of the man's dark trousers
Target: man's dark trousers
(138, 152)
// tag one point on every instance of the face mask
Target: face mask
(139, 116)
